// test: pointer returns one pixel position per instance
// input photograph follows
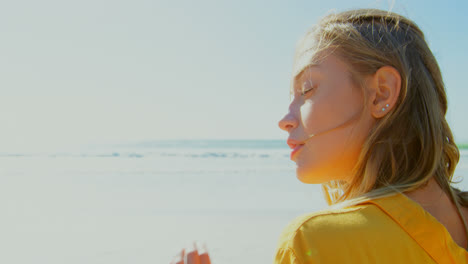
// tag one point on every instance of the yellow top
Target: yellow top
(393, 229)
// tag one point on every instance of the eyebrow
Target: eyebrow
(308, 66)
(301, 73)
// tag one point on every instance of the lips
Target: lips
(295, 145)
(295, 150)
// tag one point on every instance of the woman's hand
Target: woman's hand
(192, 257)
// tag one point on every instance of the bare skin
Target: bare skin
(192, 257)
(433, 199)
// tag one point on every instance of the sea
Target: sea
(142, 202)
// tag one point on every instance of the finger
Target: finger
(182, 256)
(179, 258)
(205, 258)
(192, 257)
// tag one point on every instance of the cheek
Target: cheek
(307, 114)
(320, 115)
(329, 156)
(334, 151)
(330, 110)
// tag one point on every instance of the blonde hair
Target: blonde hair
(413, 142)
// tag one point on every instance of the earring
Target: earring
(383, 109)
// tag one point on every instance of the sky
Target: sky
(93, 71)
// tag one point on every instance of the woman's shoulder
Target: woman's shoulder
(355, 225)
(350, 231)
(322, 225)
(356, 234)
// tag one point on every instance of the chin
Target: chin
(309, 176)
(318, 175)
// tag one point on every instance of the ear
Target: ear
(384, 87)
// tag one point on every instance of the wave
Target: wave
(163, 154)
(211, 143)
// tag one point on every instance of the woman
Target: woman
(367, 121)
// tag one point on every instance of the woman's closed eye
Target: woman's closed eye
(307, 87)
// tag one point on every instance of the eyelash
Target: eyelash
(303, 93)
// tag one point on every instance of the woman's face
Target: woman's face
(327, 122)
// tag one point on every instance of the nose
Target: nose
(288, 122)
